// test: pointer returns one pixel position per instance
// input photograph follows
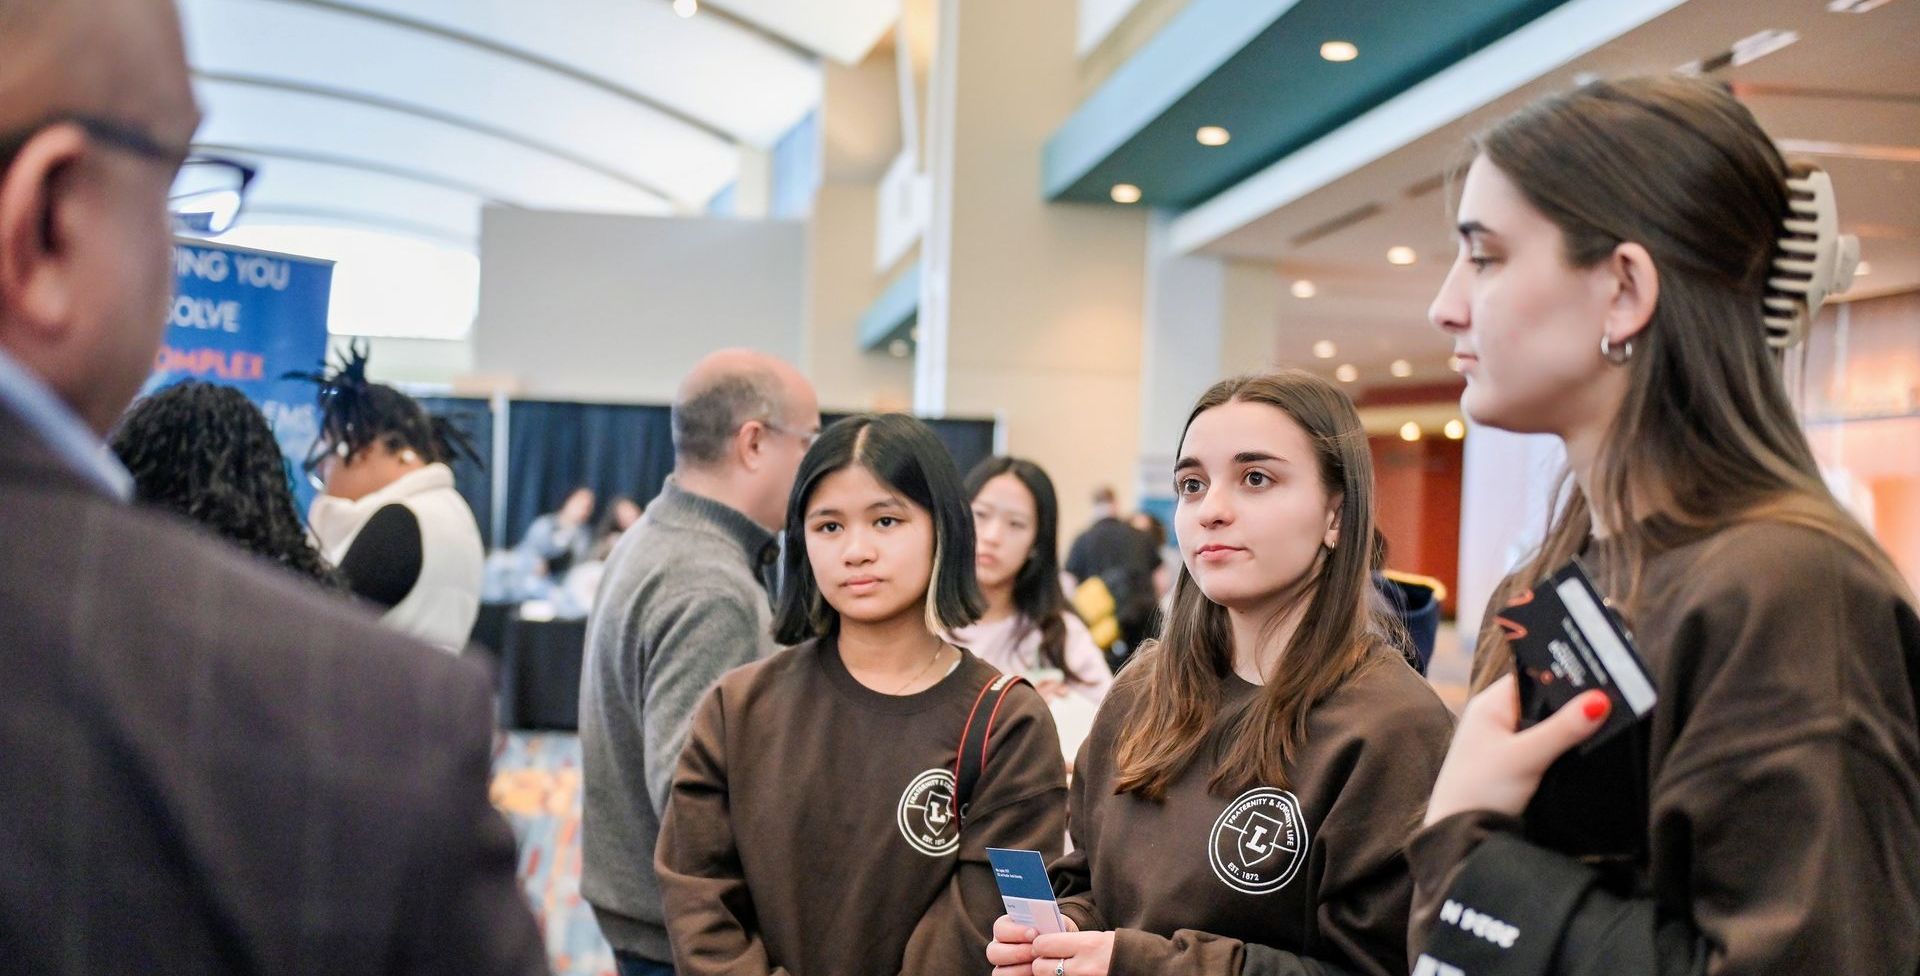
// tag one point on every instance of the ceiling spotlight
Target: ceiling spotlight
(1409, 431)
(1401, 254)
(686, 8)
(1455, 430)
(1324, 349)
(1453, 363)
(899, 348)
(1125, 193)
(1865, 269)
(1339, 51)
(1346, 373)
(1401, 368)
(1212, 135)
(1304, 289)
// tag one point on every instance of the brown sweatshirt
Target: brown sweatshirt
(1784, 832)
(1309, 879)
(809, 832)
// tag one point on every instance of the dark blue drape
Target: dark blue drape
(969, 441)
(474, 417)
(615, 449)
(553, 448)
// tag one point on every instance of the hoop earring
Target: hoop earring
(1617, 355)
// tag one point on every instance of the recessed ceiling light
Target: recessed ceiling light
(1865, 269)
(1401, 254)
(1304, 289)
(1212, 135)
(1324, 349)
(1339, 51)
(1125, 193)
(1346, 373)
(1409, 431)
(686, 8)
(1455, 430)
(899, 348)
(1401, 368)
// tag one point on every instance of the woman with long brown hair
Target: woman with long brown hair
(1243, 802)
(1633, 258)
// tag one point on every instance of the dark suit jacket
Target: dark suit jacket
(209, 766)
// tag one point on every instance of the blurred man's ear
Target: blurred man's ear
(37, 287)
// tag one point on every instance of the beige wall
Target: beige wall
(1045, 305)
(842, 284)
(860, 136)
(1249, 317)
(615, 308)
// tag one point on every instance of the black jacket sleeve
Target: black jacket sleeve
(384, 561)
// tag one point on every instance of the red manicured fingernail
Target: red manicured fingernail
(1596, 707)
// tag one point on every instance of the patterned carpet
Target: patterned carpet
(536, 784)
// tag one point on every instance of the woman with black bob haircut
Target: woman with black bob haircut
(1027, 626)
(389, 516)
(820, 822)
(206, 453)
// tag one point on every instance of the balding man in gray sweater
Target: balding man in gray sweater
(683, 602)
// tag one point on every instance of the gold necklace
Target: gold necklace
(938, 653)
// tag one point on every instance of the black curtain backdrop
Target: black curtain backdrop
(553, 448)
(615, 449)
(474, 417)
(969, 441)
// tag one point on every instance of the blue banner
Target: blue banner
(244, 318)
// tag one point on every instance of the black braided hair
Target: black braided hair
(206, 452)
(357, 413)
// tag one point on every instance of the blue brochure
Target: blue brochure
(1022, 876)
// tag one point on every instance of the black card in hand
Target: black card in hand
(1592, 802)
(1565, 643)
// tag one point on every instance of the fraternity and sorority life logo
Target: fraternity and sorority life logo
(926, 814)
(1259, 842)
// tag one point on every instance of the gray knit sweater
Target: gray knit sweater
(681, 604)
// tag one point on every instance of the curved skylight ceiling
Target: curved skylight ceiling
(381, 127)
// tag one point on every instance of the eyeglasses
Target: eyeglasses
(321, 459)
(805, 437)
(207, 194)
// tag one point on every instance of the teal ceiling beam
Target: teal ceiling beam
(1254, 68)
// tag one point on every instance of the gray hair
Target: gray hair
(708, 418)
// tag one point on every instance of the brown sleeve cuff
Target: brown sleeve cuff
(1438, 849)
(1081, 911)
(1435, 856)
(1137, 953)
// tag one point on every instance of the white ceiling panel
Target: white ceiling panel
(312, 50)
(844, 30)
(289, 189)
(270, 124)
(731, 79)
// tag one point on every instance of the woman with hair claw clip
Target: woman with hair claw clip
(389, 516)
(1623, 283)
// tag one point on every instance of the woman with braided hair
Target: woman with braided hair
(1634, 258)
(389, 516)
(205, 452)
